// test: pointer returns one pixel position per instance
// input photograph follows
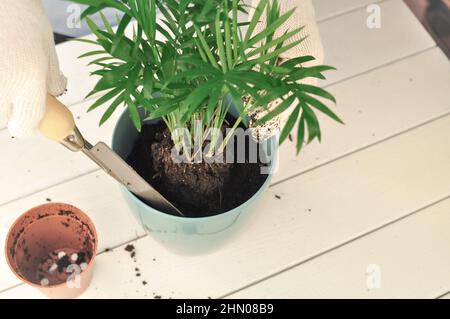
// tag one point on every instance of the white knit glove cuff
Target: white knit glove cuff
(29, 67)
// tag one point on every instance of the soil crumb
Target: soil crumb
(129, 248)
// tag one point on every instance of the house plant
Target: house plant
(191, 77)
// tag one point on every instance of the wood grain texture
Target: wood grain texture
(358, 133)
(375, 106)
(52, 164)
(388, 162)
(352, 47)
(409, 259)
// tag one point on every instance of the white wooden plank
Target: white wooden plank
(34, 164)
(53, 158)
(349, 44)
(327, 9)
(44, 176)
(396, 90)
(375, 106)
(49, 156)
(408, 259)
(352, 47)
(96, 194)
(317, 211)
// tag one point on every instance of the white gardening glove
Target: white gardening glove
(29, 68)
(304, 16)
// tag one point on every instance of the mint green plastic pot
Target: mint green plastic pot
(184, 235)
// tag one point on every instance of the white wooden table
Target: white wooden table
(365, 214)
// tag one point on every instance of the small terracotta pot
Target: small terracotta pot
(52, 247)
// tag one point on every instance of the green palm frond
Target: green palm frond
(190, 59)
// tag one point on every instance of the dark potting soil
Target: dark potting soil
(197, 189)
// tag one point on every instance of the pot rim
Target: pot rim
(8, 236)
(264, 186)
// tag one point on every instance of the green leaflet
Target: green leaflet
(189, 62)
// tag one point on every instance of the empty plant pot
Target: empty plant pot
(187, 235)
(52, 247)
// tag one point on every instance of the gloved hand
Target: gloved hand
(29, 68)
(304, 15)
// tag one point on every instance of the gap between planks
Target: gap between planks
(300, 173)
(338, 246)
(319, 21)
(98, 254)
(386, 224)
(437, 118)
(343, 80)
(381, 66)
(348, 11)
(445, 295)
(285, 180)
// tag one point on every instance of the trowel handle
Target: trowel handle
(58, 121)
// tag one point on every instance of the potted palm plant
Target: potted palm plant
(192, 76)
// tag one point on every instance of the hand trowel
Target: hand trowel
(58, 125)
